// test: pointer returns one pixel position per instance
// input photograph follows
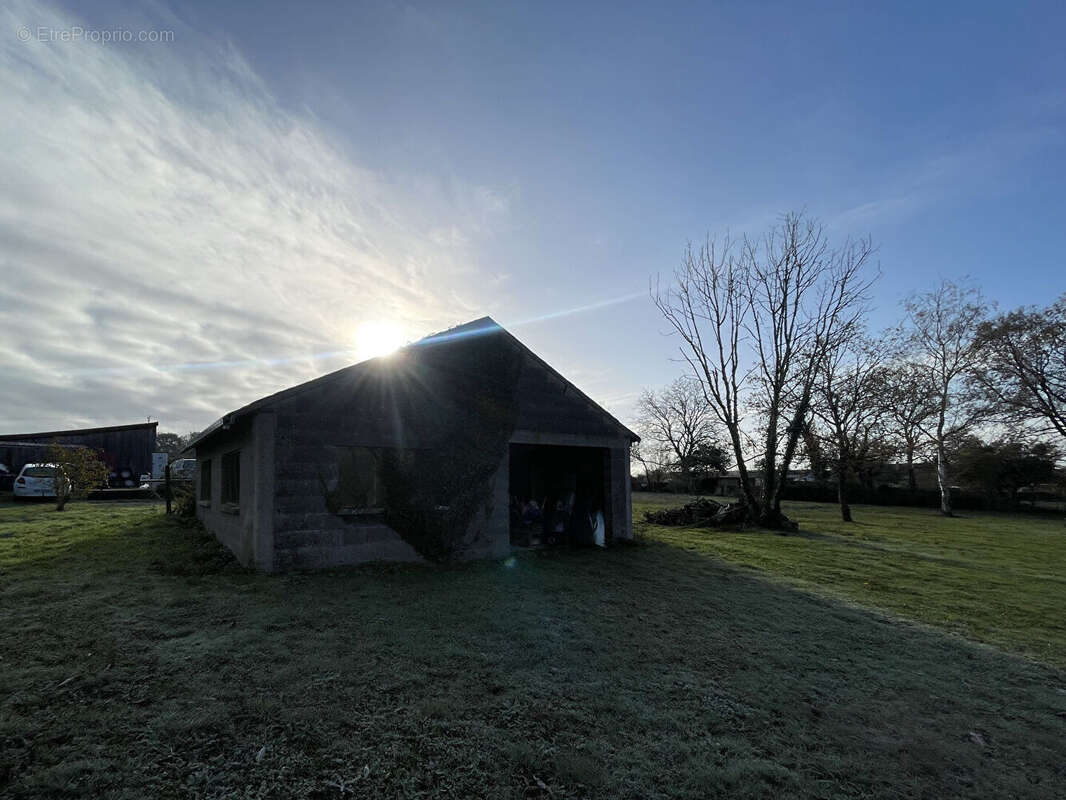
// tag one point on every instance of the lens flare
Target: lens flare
(377, 338)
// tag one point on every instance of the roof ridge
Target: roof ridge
(474, 327)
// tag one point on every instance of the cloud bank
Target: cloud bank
(175, 243)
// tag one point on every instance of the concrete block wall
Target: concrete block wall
(288, 461)
(621, 493)
(247, 527)
(307, 533)
(489, 534)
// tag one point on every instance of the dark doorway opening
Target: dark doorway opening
(559, 495)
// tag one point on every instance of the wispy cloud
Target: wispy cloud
(160, 207)
(984, 163)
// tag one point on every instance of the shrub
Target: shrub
(183, 498)
(79, 470)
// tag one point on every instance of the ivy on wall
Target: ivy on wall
(432, 495)
(357, 484)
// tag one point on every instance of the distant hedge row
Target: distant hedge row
(901, 496)
(918, 498)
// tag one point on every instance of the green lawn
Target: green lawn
(137, 660)
(996, 578)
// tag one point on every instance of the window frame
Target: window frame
(352, 457)
(230, 488)
(205, 481)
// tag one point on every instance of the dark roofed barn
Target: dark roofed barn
(460, 428)
(126, 449)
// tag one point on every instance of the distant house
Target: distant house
(302, 478)
(729, 483)
(896, 476)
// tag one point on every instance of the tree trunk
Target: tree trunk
(912, 479)
(945, 483)
(60, 483)
(842, 495)
(791, 440)
(770, 517)
(767, 514)
(747, 492)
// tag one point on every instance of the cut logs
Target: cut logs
(706, 513)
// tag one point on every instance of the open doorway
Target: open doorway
(559, 495)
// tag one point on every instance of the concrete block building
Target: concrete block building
(296, 479)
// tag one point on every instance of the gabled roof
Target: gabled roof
(477, 327)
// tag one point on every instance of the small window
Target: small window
(231, 477)
(359, 488)
(205, 479)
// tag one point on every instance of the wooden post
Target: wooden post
(166, 476)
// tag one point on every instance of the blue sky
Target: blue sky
(195, 223)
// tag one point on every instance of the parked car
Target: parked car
(7, 478)
(37, 480)
(183, 469)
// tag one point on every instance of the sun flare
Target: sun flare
(377, 338)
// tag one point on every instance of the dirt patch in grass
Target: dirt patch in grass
(644, 671)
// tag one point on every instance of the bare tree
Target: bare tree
(941, 332)
(1022, 366)
(847, 402)
(680, 422)
(653, 459)
(755, 319)
(909, 400)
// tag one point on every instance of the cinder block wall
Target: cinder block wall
(289, 461)
(489, 535)
(621, 493)
(247, 528)
(306, 533)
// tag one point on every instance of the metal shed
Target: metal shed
(126, 449)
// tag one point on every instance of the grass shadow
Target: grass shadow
(641, 671)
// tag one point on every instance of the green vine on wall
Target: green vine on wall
(432, 495)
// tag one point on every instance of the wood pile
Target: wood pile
(706, 513)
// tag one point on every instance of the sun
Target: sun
(377, 338)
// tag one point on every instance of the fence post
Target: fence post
(166, 475)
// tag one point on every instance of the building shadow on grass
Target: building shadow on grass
(640, 671)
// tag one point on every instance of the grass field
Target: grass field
(996, 578)
(136, 659)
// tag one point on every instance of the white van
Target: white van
(36, 480)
